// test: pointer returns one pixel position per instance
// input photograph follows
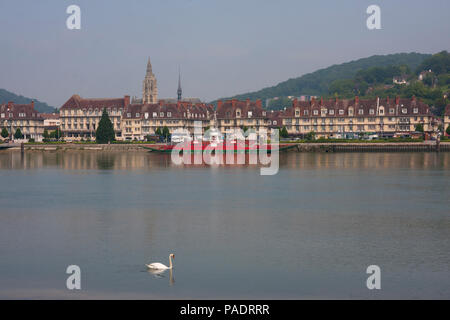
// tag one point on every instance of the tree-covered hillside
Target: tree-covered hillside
(432, 87)
(6, 96)
(318, 82)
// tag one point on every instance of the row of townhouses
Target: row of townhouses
(337, 118)
(79, 118)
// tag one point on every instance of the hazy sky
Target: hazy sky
(223, 47)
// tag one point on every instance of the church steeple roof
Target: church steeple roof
(149, 66)
(179, 91)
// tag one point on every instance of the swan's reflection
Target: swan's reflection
(159, 273)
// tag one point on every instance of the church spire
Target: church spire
(150, 89)
(149, 66)
(179, 91)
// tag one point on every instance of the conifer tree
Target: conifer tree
(105, 131)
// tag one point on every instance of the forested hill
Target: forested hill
(42, 107)
(318, 82)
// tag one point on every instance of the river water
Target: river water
(308, 232)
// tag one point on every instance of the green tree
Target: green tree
(165, 132)
(46, 135)
(158, 131)
(5, 133)
(105, 131)
(284, 133)
(18, 134)
(56, 134)
(419, 127)
(310, 136)
(448, 130)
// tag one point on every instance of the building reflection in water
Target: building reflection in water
(93, 160)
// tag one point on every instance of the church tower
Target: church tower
(150, 90)
(179, 91)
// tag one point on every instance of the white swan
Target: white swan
(160, 266)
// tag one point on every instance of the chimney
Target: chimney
(336, 99)
(126, 101)
(387, 100)
(313, 100)
(397, 100)
(321, 101)
(32, 104)
(356, 100)
(10, 104)
(259, 103)
(160, 102)
(219, 104)
(413, 98)
(295, 102)
(233, 102)
(247, 101)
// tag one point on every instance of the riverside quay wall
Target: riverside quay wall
(299, 147)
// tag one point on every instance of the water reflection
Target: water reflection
(157, 273)
(87, 160)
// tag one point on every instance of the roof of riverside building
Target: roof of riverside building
(228, 109)
(361, 108)
(19, 111)
(77, 102)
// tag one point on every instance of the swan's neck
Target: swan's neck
(170, 262)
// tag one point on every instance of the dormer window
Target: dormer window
(341, 111)
(169, 114)
(315, 112)
(361, 111)
(404, 110)
(305, 112)
(391, 111)
(371, 111)
(416, 110)
(331, 112)
(264, 113)
(155, 115)
(138, 115)
(21, 115)
(249, 114)
(128, 115)
(161, 114)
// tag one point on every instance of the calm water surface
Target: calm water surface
(308, 232)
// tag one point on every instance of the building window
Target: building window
(341, 111)
(416, 110)
(316, 112)
(305, 112)
(404, 110)
(371, 111)
(361, 111)
(331, 112)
